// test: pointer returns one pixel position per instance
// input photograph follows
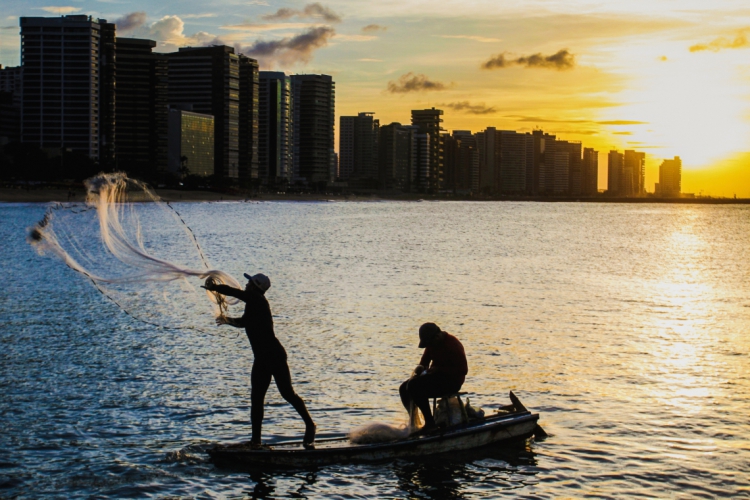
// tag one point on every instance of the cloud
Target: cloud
(621, 122)
(623, 133)
(561, 60)
(474, 109)
(265, 27)
(537, 119)
(356, 38)
(291, 50)
(414, 83)
(169, 30)
(740, 41)
(60, 10)
(373, 27)
(199, 16)
(130, 22)
(314, 10)
(580, 132)
(475, 38)
(370, 60)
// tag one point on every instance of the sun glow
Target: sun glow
(694, 105)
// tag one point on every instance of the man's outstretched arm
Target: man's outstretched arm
(235, 322)
(225, 290)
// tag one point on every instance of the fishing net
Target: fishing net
(137, 250)
(379, 432)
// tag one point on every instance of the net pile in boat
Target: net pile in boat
(379, 432)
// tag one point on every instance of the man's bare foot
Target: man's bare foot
(309, 440)
(259, 446)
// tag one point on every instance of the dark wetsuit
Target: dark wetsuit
(445, 372)
(270, 356)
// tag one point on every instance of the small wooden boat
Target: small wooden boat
(511, 423)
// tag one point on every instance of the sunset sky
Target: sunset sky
(667, 77)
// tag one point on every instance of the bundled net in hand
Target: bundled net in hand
(137, 250)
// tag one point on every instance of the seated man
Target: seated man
(442, 370)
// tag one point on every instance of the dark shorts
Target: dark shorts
(431, 385)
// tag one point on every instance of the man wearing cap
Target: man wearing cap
(270, 356)
(442, 370)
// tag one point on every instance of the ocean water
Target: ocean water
(626, 327)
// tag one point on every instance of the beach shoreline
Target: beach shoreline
(51, 194)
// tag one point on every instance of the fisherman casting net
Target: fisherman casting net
(136, 250)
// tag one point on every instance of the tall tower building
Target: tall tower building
(275, 128)
(248, 120)
(513, 149)
(358, 145)
(561, 170)
(590, 172)
(461, 162)
(347, 132)
(489, 155)
(540, 174)
(206, 80)
(314, 103)
(670, 177)
(141, 108)
(10, 103)
(614, 173)
(68, 85)
(397, 156)
(575, 168)
(634, 174)
(428, 122)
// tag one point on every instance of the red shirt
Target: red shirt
(448, 358)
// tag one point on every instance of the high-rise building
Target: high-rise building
(141, 108)
(514, 148)
(358, 145)
(347, 133)
(670, 177)
(633, 174)
(615, 161)
(590, 172)
(11, 81)
(540, 172)
(575, 168)
(561, 170)
(397, 156)
(428, 122)
(248, 120)
(489, 160)
(68, 84)
(207, 79)
(314, 106)
(275, 130)
(191, 143)
(107, 96)
(422, 164)
(10, 104)
(461, 162)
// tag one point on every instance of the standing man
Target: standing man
(270, 356)
(442, 370)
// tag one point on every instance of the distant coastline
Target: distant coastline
(49, 194)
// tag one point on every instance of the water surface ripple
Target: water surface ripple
(626, 326)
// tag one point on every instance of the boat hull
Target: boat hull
(491, 431)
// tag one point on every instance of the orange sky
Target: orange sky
(667, 77)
